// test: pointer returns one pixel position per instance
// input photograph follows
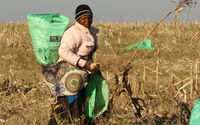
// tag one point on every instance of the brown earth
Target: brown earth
(164, 82)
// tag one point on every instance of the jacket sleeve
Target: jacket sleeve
(67, 49)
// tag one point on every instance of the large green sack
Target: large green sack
(97, 96)
(195, 115)
(46, 31)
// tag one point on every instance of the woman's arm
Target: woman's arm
(68, 48)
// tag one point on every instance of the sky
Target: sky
(104, 10)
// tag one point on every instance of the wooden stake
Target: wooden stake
(157, 68)
(196, 74)
(185, 95)
(144, 74)
(191, 85)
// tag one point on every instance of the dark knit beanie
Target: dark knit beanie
(82, 10)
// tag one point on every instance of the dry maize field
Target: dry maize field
(160, 87)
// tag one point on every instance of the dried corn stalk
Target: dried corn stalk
(181, 6)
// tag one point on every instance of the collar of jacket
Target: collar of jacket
(85, 30)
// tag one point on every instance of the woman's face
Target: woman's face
(86, 21)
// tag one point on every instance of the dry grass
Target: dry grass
(167, 81)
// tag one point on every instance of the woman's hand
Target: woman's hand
(87, 65)
(90, 66)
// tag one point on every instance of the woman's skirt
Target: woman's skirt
(64, 79)
(67, 83)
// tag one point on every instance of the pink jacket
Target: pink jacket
(77, 41)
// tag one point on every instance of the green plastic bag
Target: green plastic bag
(46, 31)
(145, 45)
(195, 115)
(97, 96)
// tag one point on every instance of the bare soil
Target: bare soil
(164, 82)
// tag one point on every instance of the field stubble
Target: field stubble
(164, 82)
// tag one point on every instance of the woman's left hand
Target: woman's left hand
(90, 66)
(95, 66)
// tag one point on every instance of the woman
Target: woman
(67, 77)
